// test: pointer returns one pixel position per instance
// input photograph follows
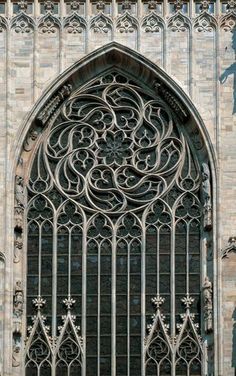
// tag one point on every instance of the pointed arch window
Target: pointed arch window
(116, 211)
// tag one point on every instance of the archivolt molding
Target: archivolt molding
(152, 23)
(228, 21)
(127, 23)
(205, 22)
(22, 23)
(101, 23)
(74, 24)
(49, 24)
(179, 22)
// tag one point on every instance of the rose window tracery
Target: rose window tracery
(115, 214)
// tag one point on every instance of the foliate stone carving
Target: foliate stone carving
(74, 24)
(206, 197)
(48, 6)
(74, 5)
(49, 24)
(231, 247)
(100, 6)
(178, 5)
(22, 5)
(205, 22)
(152, 5)
(228, 21)
(172, 101)
(101, 23)
(18, 300)
(53, 103)
(152, 23)
(126, 5)
(178, 22)
(3, 24)
(22, 23)
(126, 23)
(208, 305)
(204, 6)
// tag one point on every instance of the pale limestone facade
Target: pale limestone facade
(195, 49)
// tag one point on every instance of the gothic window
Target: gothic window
(115, 215)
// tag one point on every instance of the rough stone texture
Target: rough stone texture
(197, 56)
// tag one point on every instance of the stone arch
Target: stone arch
(111, 56)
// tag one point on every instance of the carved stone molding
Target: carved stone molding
(228, 21)
(178, 22)
(49, 24)
(172, 101)
(126, 23)
(74, 24)
(231, 247)
(52, 105)
(22, 23)
(101, 23)
(152, 23)
(205, 22)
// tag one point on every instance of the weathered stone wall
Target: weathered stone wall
(197, 50)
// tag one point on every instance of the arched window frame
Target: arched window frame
(120, 56)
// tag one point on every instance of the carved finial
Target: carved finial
(204, 6)
(126, 5)
(48, 6)
(101, 5)
(187, 300)
(74, 5)
(69, 302)
(178, 5)
(39, 302)
(152, 4)
(22, 5)
(158, 301)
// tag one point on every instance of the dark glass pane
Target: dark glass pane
(91, 345)
(105, 324)
(164, 264)
(105, 344)
(121, 345)
(121, 366)
(105, 366)
(121, 304)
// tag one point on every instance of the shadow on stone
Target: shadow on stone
(233, 363)
(231, 70)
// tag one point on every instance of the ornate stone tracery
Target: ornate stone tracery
(115, 163)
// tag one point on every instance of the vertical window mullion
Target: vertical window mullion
(187, 258)
(143, 295)
(128, 308)
(113, 308)
(84, 292)
(99, 311)
(40, 260)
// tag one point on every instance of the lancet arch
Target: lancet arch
(117, 176)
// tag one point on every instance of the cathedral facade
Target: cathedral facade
(117, 190)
